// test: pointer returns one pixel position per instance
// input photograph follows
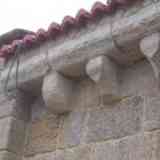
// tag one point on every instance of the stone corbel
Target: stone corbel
(104, 73)
(150, 47)
(58, 92)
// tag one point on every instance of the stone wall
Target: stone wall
(128, 129)
(14, 117)
(113, 113)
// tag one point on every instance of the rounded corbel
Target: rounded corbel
(150, 47)
(103, 72)
(57, 92)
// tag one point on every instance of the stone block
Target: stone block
(138, 79)
(142, 146)
(78, 153)
(42, 136)
(87, 95)
(92, 95)
(57, 155)
(150, 47)
(152, 145)
(103, 72)
(10, 108)
(5, 155)
(71, 132)
(42, 156)
(15, 105)
(12, 134)
(131, 148)
(60, 155)
(104, 151)
(41, 144)
(112, 122)
(136, 7)
(58, 92)
(39, 110)
(152, 113)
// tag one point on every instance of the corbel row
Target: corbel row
(58, 90)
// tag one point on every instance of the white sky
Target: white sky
(34, 14)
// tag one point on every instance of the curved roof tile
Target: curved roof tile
(83, 17)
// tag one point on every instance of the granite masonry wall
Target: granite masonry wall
(14, 118)
(128, 129)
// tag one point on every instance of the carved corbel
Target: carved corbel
(57, 92)
(104, 73)
(150, 47)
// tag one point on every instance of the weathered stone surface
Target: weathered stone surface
(2, 64)
(71, 132)
(42, 156)
(103, 72)
(138, 79)
(101, 69)
(57, 155)
(43, 142)
(42, 134)
(10, 108)
(131, 148)
(15, 104)
(39, 110)
(5, 155)
(87, 95)
(58, 92)
(143, 146)
(152, 145)
(137, 6)
(104, 151)
(152, 113)
(60, 155)
(115, 121)
(111, 132)
(12, 134)
(150, 46)
(14, 115)
(78, 153)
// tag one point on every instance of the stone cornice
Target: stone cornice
(70, 57)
